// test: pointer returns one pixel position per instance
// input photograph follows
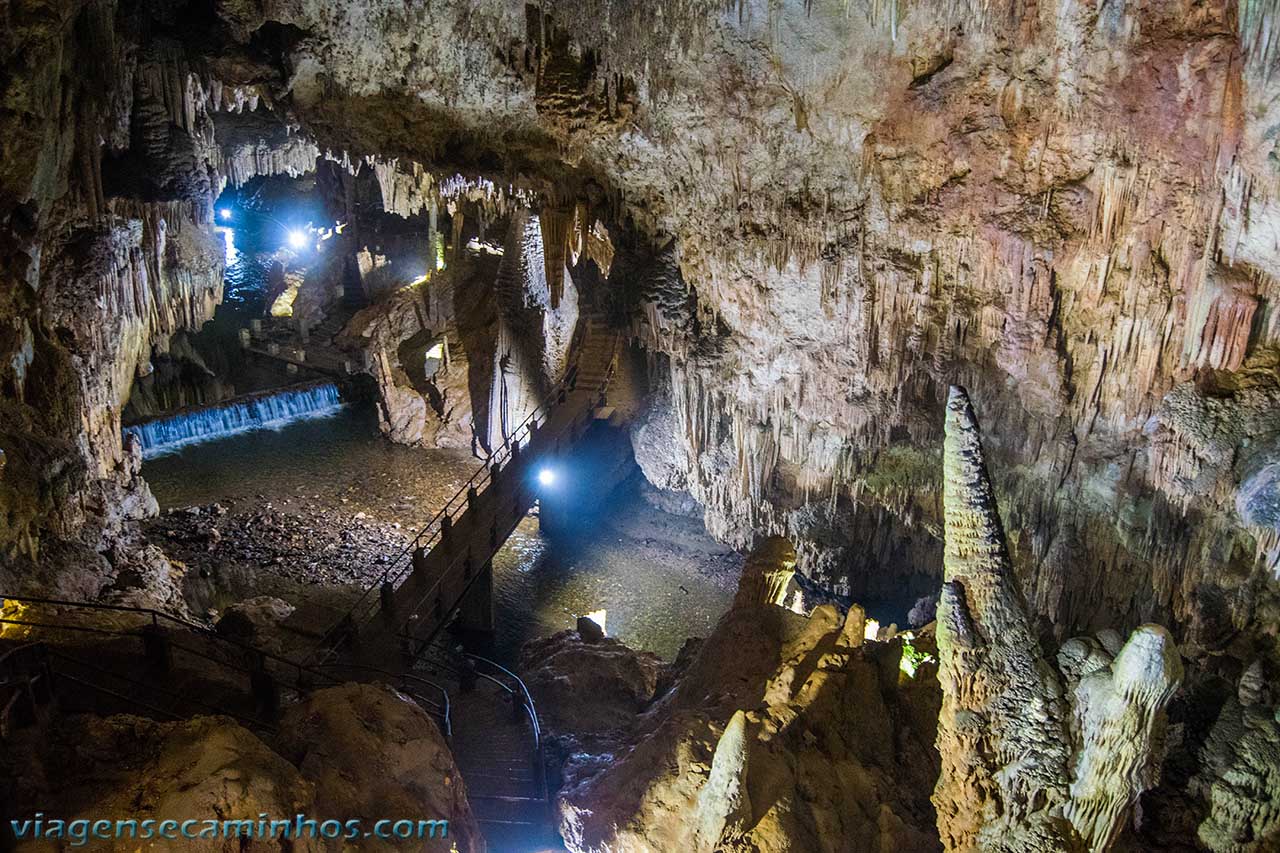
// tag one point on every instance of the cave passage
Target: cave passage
(632, 426)
(659, 578)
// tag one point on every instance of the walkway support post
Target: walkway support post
(475, 612)
(157, 649)
(266, 692)
(387, 596)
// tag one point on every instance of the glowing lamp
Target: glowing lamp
(599, 617)
(225, 213)
(546, 477)
(297, 239)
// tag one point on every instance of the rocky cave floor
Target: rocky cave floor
(319, 549)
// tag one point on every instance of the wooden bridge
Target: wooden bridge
(485, 710)
(447, 571)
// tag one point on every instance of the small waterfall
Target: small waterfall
(265, 411)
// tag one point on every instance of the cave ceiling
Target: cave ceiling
(838, 208)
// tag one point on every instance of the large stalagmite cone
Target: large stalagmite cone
(767, 572)
(723, 802)
(1001, 729)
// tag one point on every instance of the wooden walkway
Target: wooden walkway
(449, 573)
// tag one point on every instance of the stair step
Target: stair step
(515, 837)
(509, 809)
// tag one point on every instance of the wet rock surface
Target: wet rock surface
(372, 753)
(773, 733)
(317, 546)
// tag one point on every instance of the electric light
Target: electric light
(599, 617)
(546, 477)
(297, 239)
(225, 213)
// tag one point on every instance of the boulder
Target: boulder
(373, 753)
(126, 767)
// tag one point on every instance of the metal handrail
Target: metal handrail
(444, 706)
(457, 560)
(21, 683)
(22, 649)
(155, 615)
(402, 562)
(526, 699)
(251, 721)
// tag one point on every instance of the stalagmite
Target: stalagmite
(1001, 731)
(1010, 779)
(555, 223)
(1120, 714)
(724, 803)
(767, 572)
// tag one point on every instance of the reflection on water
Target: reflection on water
(661, 579)
(338, 462)
(656, 592)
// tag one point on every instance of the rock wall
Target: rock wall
(354, 752)
(777, 732)
(1064, 206)
(1032, 761)
(111, 159)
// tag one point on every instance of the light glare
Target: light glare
(546, 477)
(225, 213)
(297, 239)
(599, 617)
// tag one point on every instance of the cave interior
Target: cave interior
(678, 425)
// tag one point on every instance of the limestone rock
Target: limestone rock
(254, 621)
(1240, 779)
(207, 768)
(767, 572)
(1119, 713)
(1018, 773)
(372, 753)
(1002, 729)
(588, 688)
(811, 745)
(589, 630)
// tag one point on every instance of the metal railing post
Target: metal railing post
(387, 596)
(265, 689)
(446, 534)
(156, 648)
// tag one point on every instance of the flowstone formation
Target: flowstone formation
(1031, 761)
(777, 732)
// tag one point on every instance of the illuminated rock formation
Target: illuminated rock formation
(373, 753)
(767, 572)
(1025, 766)
(1002, 728)
(810, 744)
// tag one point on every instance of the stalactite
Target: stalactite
(555, 223)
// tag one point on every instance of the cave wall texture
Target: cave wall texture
(833, 210)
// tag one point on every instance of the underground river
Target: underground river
(306, 511)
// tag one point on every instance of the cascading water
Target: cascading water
(266, 411)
